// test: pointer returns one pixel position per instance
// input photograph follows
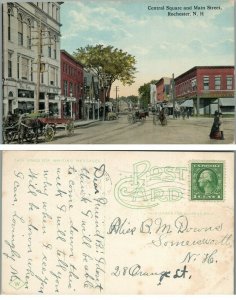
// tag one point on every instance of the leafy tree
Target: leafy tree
(144, 92)
(133, 99)
(108, 62)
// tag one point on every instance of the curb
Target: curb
(83, 124)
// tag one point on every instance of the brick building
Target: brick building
(163, 89)
(72, 80)
(208, 87)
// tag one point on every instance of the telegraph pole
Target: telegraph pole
(117, 90)
(173, 93)
(39, 56)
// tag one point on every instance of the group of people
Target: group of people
(217, 127)
(184, 112)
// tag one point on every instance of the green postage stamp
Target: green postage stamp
(207, 181)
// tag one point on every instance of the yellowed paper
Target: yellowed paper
(80, 222)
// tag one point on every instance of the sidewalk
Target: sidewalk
(81, 123)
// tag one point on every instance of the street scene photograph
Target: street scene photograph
(118, 72)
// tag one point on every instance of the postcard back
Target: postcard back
(117, 222)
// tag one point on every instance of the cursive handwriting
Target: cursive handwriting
(137, 270)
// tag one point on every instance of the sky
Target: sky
(161, 44)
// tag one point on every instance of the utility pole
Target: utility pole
(39, 56)
(117, 90)
(173, 93)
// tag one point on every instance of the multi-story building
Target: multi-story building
(153, 93)
(209, 88)
(163, 89)
(72, 86)
(31, 57)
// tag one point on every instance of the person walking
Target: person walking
(221, 126)
(215, 129)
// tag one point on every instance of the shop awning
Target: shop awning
(225, 101)
(187, 103)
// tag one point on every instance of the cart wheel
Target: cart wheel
(70, 128)
(49, 134)
(8, 137)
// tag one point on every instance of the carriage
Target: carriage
(112, 116)
(29, 127)
(160, 115)
(52, 124)
(137, 116)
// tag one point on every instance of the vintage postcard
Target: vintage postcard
(113, 222)
(118, 72)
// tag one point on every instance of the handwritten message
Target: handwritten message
(56, 237)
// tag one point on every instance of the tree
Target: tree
(109, 62)
(144, 92)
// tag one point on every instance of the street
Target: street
(178, 131)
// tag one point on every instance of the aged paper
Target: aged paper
(112, 222)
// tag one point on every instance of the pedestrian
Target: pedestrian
(188, 113)
(221, 126)
(215, 129)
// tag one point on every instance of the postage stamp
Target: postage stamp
(207, 181)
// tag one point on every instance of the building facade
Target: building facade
(163, 89)
(209, 87)
(31, 57)
(72, 86)
(153, 95)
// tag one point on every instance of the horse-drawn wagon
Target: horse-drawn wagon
(112, 116)
(30, 127)
(52, 124)
(137, 116)
(160, 115)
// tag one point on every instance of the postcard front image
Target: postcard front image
(118, 72)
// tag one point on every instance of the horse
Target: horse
(10, 127)
(162, 117)
(141, 115)
(28, 129)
